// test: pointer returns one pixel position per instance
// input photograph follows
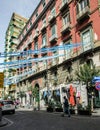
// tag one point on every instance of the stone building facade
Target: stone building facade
(54, 23)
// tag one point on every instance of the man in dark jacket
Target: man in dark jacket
(66, 106)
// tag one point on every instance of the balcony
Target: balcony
(51, 18)
(65, 28)
(53, 38)
(64, 5)
(83, 14)
(43, 27)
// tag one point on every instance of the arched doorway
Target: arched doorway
(36, 97)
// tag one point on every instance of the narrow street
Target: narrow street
(29, 120)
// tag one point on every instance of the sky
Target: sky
(24, 8)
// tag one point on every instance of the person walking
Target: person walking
(66, 107)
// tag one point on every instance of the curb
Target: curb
(72, 115)
(3, 122)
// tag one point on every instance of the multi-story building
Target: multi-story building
(15, 27)
(54, 23)
(1, 84)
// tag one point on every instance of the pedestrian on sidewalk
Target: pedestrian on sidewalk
(66, 107)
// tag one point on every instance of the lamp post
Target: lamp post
(47, 78)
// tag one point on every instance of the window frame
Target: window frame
(55, 30)
(66, 16)
(44, 36)
(90, 30)
(36, 45)
(79, 5)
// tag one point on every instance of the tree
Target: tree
(21, 95)
(35, 94)
(86, 73)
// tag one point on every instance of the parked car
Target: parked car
(7, 106)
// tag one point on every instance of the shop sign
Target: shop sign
(97, 85)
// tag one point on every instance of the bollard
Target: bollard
(0, 114)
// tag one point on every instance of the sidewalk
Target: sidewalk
(96, 112)
(24, 109)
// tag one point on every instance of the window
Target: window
(43, 3)
(36, 14)
(67, 50)
(55, 76)
(54, 59)
(53, 30)
(30, 46)
(44, 40)
(30, 22)
(87, 39)
(36, 45)
(26, 29)
(64, 1)
(82, 4)
(44, 20)
(53, 11)
(66, 19)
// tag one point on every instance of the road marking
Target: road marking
(9, 122)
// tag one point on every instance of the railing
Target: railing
(64, 4)
(65, 27)
(51, 17)
(43, 26)
(53, 37)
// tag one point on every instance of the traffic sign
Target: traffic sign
(97, 85)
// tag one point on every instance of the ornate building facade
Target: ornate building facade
(54, 23)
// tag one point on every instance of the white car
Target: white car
(7, 106)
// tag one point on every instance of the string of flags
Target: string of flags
(28, 62)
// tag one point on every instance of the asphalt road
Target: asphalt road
(29, 120)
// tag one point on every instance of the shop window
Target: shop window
(56, 95)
